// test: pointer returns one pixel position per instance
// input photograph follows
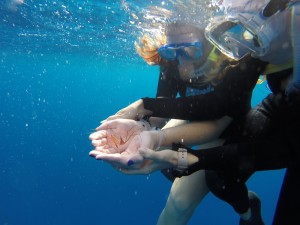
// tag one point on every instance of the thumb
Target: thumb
(166, 156)
(108, 124)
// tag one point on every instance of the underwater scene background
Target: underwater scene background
(65, 66)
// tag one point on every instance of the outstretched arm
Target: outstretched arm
(195, 133)
(269, 154)
(190, 134)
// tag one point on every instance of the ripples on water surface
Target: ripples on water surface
(106, 28)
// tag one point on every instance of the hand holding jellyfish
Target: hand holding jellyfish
(114, 136)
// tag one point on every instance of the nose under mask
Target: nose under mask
(188, 71)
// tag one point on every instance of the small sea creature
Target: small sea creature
(119, 141)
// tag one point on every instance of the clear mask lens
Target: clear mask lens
(233, 39)
(193, 52)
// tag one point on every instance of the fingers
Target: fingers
(119, 115)
(112, 158)
(115, 164)
(145, 169)
(127, 113)
(93, 136)
(98, 139)
(98, 135)
(123, 161)
(105, 149)
(98, 143)
(118, 123)
(106, 125)
(113, 117)
(93, 153)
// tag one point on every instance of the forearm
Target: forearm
(188, 108)
(195, 133)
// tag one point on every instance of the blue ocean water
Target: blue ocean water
(65, 66)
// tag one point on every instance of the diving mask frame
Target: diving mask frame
(190, 50)
(240, 34)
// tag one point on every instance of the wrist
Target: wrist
(158, 137)
(182, 159)
(141, 111)
(186, 162)
(145, 124)
(192, 159)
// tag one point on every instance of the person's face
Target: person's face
(186, 65)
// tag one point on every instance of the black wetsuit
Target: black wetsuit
(231, 97)
(266, 139)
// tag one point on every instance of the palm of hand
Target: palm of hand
(115, 136)
(130, 157)
(119, 139)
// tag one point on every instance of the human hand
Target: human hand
(153, 161)
(134, 111)
(130, 157)
(114, 136)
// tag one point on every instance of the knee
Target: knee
(181, 204)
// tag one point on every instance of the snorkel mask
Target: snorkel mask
(239, 34)
(192, 51)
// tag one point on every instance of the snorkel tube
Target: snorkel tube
(294, 87)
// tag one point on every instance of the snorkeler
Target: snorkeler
(187, 64)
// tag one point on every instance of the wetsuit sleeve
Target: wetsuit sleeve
(200, 107)
(270, 154)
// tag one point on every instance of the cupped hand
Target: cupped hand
(153, 161)
(130, 157)
(114, 136)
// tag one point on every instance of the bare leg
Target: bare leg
(186, 193)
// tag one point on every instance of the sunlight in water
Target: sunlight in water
(13, 4)
(151, 18)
